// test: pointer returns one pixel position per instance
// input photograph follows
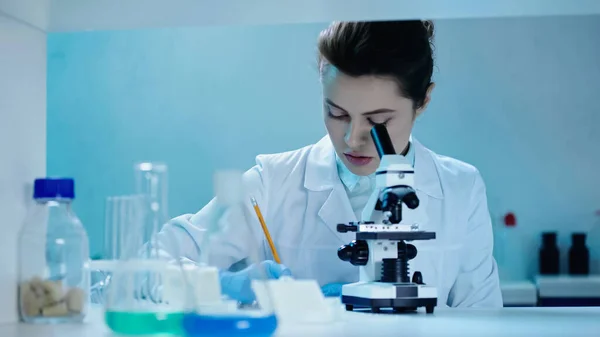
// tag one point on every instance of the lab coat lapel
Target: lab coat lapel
(337, 210)
(322, 179)
(427, 185)
(427, 179)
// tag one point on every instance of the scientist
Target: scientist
(371, 73)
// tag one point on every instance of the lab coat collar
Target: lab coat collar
(322, 174)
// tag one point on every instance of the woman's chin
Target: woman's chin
(362, 170)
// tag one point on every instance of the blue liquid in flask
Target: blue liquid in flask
(196, 325)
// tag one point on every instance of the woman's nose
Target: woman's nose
(356, 135)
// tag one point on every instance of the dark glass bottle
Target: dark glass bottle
(549, 258)
(579, 255)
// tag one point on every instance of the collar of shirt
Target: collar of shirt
(351, 181)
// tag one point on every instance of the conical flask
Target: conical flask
(227, 302)
(146, 293)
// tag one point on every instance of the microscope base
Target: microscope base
(401, 297)
(399, 305)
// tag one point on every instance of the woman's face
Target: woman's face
(352, 105)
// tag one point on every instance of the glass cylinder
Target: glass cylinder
(151, 184)
(53, 257)
(151, 181)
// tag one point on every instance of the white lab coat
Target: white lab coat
(302, 200)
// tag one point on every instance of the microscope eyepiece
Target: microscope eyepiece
(382, 140)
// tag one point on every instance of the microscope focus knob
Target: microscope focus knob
(343, 228)
(357, 253)
(406, 251)
(411, 251)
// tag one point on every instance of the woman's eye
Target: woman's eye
(373, 122)
(336, 115)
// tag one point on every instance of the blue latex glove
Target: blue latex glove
(332, 289)
(237, 285)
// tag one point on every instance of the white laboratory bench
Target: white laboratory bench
(444, 322)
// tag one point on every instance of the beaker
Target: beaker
(226, 302)
(119, 215)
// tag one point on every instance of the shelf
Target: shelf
(82, 15)
(565, 286)
(522, 293)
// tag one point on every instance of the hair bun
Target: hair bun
(430, 28)
(401, 50)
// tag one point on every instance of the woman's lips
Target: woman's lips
(358, 160)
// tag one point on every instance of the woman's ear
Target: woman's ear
(426, 100)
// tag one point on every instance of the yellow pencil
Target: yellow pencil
(265, 229)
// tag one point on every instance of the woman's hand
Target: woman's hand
(332, 289)
(238, 285)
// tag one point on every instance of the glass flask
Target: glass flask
(53, 257)
(228, 302)
(146, 294)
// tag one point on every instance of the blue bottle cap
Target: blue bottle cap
(54, 188)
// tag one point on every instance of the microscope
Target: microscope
(381, 249)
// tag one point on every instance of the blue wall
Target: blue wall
(515, 97)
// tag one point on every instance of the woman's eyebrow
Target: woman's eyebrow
(368, 113)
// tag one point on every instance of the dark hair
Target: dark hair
(401, 50)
